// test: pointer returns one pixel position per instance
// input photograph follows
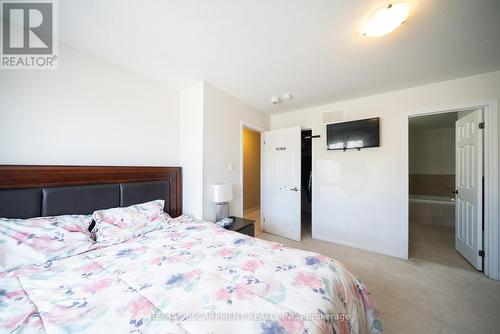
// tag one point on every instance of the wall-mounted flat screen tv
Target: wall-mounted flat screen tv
(353, 135)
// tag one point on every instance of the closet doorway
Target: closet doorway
(306, 181)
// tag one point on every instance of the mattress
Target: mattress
(187, 277)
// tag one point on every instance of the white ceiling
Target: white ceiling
(311, 48)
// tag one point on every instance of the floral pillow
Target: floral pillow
(119, 223)
(38, 240)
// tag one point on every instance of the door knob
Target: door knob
(294, 189)
(454, 191)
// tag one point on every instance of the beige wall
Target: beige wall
(251, 169)
(223, 116)
(87, 112)
(191, 148)
(211, 139)
(432, 151)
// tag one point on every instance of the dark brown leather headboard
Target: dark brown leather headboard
(33, 191)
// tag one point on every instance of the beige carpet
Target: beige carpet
(436, 291)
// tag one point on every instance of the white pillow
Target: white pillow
(38, 240)
(122, 223)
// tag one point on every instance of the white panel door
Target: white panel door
(281, 186)
(469, 192)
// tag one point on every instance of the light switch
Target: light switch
(229, 166)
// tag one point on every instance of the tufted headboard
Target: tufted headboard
(37, 191)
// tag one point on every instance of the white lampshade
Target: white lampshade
(223, 192)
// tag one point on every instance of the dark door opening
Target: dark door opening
(306, 181)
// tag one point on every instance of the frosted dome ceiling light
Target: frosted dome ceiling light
(386, 19)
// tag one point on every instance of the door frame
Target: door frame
(491, 168)
(253, 127)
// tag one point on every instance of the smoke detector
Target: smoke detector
(282, 98)
(275, 100)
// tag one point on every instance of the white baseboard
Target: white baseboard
(360, 246)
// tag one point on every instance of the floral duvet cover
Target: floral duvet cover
(187, 277)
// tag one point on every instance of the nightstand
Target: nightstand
(242, 225)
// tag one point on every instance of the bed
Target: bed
(180, 276)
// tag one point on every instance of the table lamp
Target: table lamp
(223, 194)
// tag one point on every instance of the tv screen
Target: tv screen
(353, 135)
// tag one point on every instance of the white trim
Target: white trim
(361, 246)
(263, 163)
(244, 124)
(491, 184)
(491, 192)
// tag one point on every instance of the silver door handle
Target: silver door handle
(294, 189)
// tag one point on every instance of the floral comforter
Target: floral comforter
(187, 277)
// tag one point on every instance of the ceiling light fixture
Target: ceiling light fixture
(386, 19)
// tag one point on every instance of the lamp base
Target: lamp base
(221, 211)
